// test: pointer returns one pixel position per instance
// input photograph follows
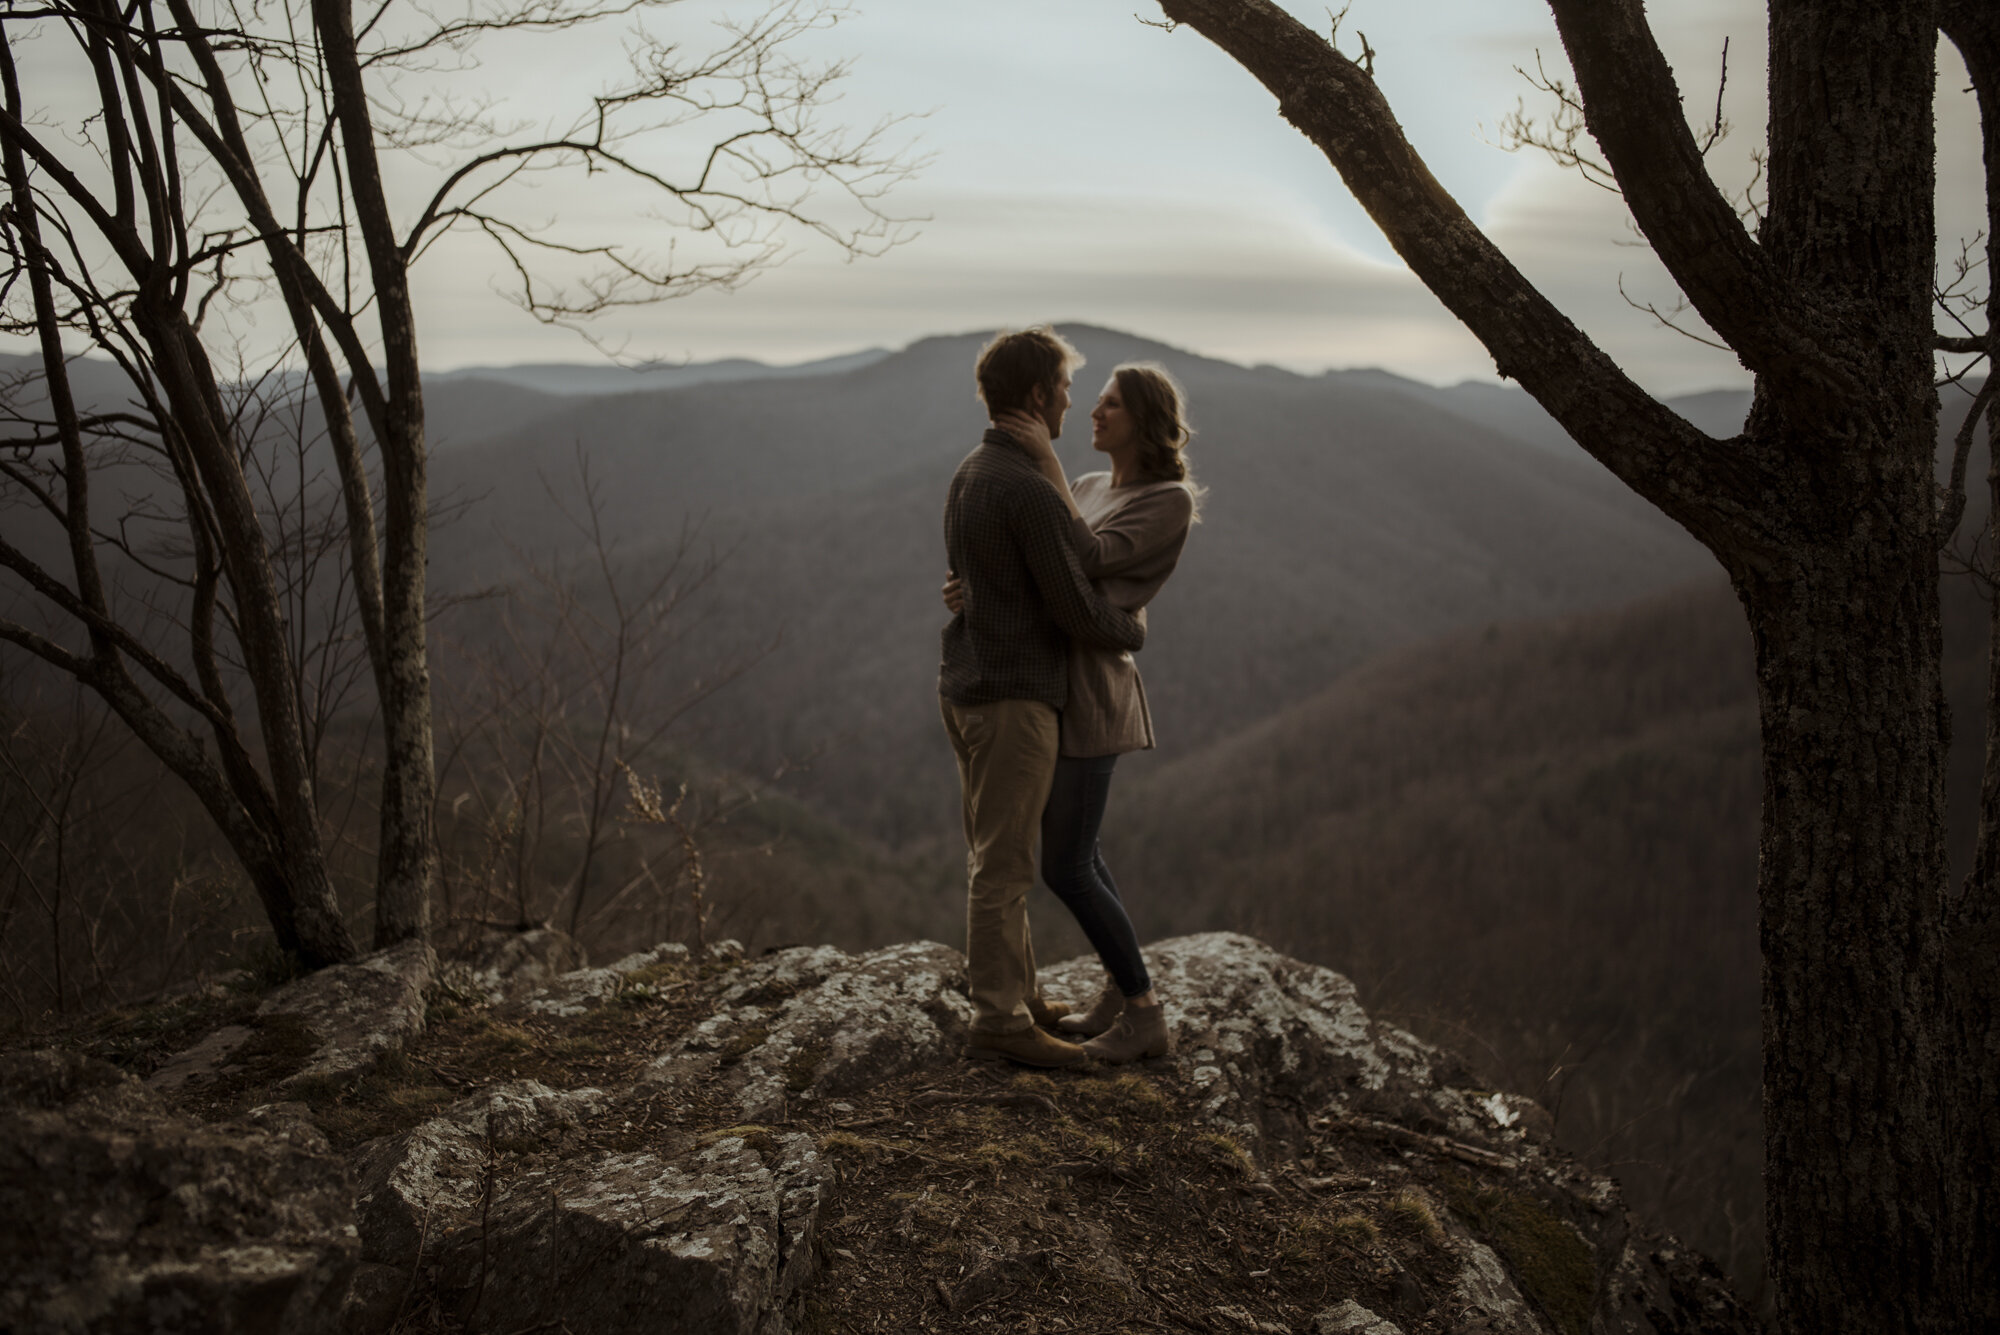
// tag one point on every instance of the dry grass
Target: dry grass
(1099, 1204)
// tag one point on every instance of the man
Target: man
(1005, 679)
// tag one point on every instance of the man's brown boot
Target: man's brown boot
(1109, 1004)
(1030, 1047)
(1140, 1032)
(1047, 1013)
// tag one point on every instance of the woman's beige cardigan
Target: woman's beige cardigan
(1129, 540)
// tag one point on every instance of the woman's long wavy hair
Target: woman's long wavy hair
(1159, 414)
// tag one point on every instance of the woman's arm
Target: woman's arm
(1145, 528)
(1033, 434)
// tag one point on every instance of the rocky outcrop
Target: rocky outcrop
(813, 1023)
(355, 1014)
(509, 965)
(433, 1180)
(1351, 1318)
(1281, 1048)
(529, 1205)
(117, 1215)
(324, 1030)
(718, 1235)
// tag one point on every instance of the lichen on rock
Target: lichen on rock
(118, 1215)
(740, 1116)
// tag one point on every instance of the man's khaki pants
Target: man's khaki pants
(1006, 761)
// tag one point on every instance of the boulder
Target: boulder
(427, 1183)
(1263, 1035)
(509, 965)
(117, 1215)
(326, 1029)
(573, 993)
(353, 1015)
(811, 1023)
(641, 1242)
(1351, 1318)
(1282, 1050)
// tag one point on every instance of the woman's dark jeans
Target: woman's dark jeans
(1074, 868)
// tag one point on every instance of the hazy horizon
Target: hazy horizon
(1080, 163)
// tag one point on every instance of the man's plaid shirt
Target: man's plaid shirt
(1007, 536)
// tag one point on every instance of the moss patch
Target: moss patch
(657, 975)
(847, 1145)
(803, 1065)
(1555, 1266)
(395, 1096)
(1127, 1095)
(741, 1045)
(278, 1048)
(140, 1039)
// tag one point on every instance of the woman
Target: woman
(1130, 525)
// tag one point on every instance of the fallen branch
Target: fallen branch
(1370, 1129)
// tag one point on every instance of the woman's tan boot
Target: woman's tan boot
(1140, 1032)
(1097, 1019)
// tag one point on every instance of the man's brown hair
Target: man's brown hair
(1017, 363)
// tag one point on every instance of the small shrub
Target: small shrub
(1410, 1214)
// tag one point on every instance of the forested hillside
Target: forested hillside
(1347, 514)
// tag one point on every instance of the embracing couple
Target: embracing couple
(1047, 589)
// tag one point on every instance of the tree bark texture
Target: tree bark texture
(1972, 943)
(1849, 647)
(1823, 512)
(407, 853)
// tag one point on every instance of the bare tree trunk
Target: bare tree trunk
(1849, 688)
(282, 852)
(1972, 946)
(1849, 650)
(408, 857)
(300, 860)
(1823, 512)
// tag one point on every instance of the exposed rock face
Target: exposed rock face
(513, 964)
(337, 1024)
(813, 1023)
(640, 1241)
(1274, 1041)
(116, 1215)
(429, 1183)
(719, 1231)
(1265, 1036)
(1351, 1318)
(527, 1204)
(356, 1013)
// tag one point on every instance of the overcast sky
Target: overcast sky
(1083, 166)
